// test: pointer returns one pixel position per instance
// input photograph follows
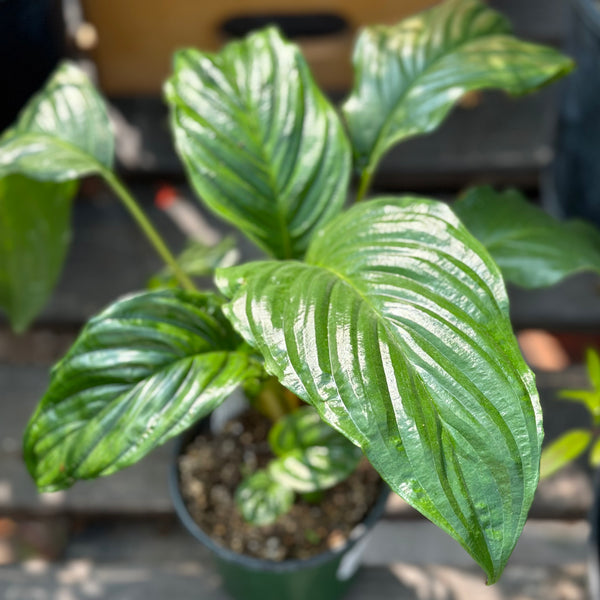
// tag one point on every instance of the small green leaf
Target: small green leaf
(312, 455)
(261, 144)
(140, 372)
(408, 76)
(63, 133)
(35, 231)
(302, 429)
(316, 468)
(198, 260)
(591, 399)
(261, 499)
(563, 450)
(595, 454)
(531, 248)
(592, 361)
(396, 329)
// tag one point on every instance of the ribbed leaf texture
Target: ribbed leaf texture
(396, 330)
(408, 76)
(531, 248)
(63, 133)
(261, 144)
(139, 373)
(261, 499)
(35, 231)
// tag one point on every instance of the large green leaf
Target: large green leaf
(408, 76)
(139, 373)
(262, 145)
(396, 330)
(35, 230)
(63, 133)
(312, 456)
(531, 248)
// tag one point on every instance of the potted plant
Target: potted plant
(388, 319)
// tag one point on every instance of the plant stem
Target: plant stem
(365, 183)
(153, 236)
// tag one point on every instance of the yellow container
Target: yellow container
(136, 38)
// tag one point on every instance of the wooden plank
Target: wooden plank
(80, 579)
(406, 561)
(501, 141)
(572, 305)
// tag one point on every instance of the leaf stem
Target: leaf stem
(365, 183)
(146, 226)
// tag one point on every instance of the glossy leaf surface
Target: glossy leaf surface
(312, 455)
(563, 450)
(140, 372)
(261, 144)
(261, 499)
(396, 330)
(408, 76)
(35, 230)
(531, 248)
(63, 133)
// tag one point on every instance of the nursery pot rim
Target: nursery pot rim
(251, 562)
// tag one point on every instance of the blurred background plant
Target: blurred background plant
(575, 442)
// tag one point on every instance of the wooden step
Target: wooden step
(405, 561)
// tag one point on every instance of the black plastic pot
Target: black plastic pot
(326, 576)
(575, 177)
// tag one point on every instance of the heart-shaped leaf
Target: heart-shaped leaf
(531, 248)
(312, 456)
(408, 76)
(63, 133)
(140, 372)
(35, 230)
(261, 144)
(396, 330)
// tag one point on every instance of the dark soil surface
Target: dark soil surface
(211, 468)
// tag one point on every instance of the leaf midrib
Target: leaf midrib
(255, 135)
(392, 334)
